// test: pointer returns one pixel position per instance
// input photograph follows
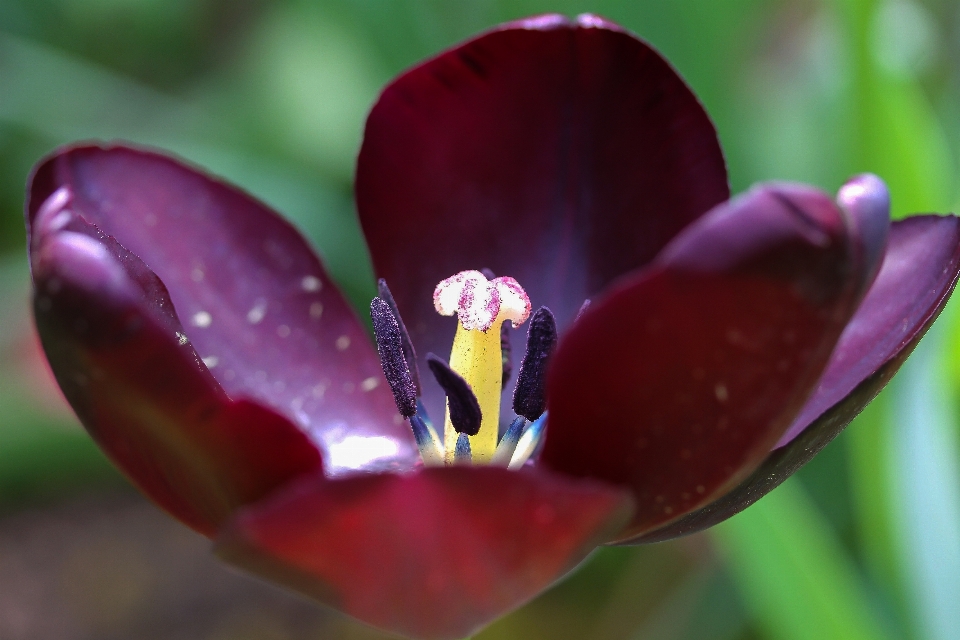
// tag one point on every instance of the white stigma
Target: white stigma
(480, 303)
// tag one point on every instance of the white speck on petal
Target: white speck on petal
(257, 312)
(197, 274)
(182, 339)
(201, 319)
(211, 361)
(369, 384)
(343, 343)
(318, 390)
(721, 392)
(316, 310)
(311, 284)
(283, 331)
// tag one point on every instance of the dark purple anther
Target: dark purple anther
(529, 398)
(390, 346)
(465, 411)
(408, 353)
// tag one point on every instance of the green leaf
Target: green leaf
(792, 572)
(925, 485)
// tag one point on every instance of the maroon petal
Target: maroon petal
(563, 153)
(254, 300)
(918, 274)
(436, 554)
(680, 380)
(139, 387)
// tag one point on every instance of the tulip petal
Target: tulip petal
(866, 200)
(254, 300)
(563, 153)
(681, 379)
(139, 387)
(919, 272)
(435, 554)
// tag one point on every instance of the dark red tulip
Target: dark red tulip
(205, 348)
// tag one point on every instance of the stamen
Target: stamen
(408, 353)
(464, 409)
(528, 443)
(386, 329)
(431, 450)
(461, 454)
(529, 397)
(505, 351)
(508, 443)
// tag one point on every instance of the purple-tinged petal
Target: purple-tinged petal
(678, 382)
(123, 362)
(919, 272)
(561, 153)
(436, 554)
(866, 200)
(254, 300)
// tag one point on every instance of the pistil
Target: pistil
(481, 306)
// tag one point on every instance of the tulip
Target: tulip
(726, 341)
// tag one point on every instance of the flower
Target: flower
(205, 348)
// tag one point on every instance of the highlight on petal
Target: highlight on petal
(563, 153)
(139, 387)
(919, 272)
(866, 200)
(436, 554)
(253, 299)
(678, 382)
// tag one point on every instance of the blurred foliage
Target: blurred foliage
(272, 95)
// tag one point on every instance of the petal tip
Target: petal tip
(866, 199)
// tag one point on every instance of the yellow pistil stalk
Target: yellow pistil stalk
(477, 358)
(481, 306)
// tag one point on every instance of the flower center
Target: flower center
(474, 378)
